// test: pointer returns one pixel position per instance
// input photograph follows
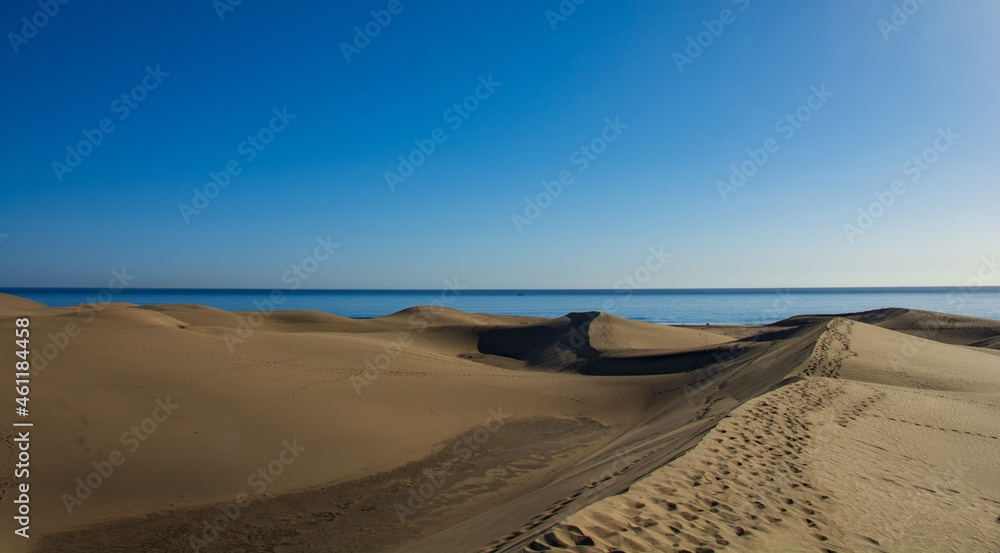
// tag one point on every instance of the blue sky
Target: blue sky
(923, 83)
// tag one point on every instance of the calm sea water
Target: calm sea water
(736, 306)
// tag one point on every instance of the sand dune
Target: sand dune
(857, 454)
(437, 430)
(587, 343)
(940, 327)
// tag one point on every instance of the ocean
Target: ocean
(715, 306)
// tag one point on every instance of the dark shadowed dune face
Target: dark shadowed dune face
(553, 344)
(595, 344)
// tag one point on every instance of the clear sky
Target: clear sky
(116, 115)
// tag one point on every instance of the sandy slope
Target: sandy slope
(362, 397)
(862, 453)
(437, 430)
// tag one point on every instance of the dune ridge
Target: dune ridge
(587, 428)
(856, 454)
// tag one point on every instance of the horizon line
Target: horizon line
(620, 290)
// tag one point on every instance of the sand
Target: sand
(437, 430)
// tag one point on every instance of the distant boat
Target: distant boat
(521, 293)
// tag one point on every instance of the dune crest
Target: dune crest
(881, 444)
(586, 432)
